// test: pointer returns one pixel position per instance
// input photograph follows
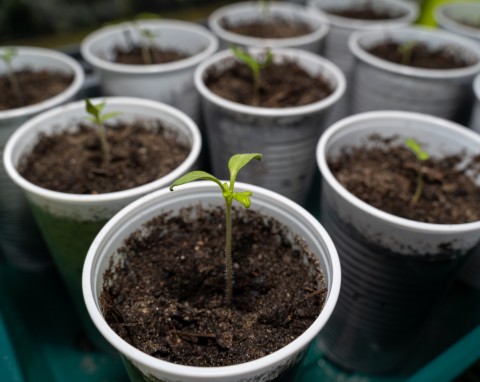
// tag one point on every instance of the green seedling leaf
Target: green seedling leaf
(8, 55)
(99, 119)
(235, 164)
(406, 49)
(421, 156)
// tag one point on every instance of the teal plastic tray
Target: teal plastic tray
(41, 339)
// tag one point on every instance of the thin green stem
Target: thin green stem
(104, 143)
(228, 255)
(14, 84)
(256, 87)
(146, 56)
(419, 188)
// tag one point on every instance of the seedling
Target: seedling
(235, 163)
(422, 156)
(99, 119)
(147, 38)
(265, 4)
(8, 56)
(255, 66)
(406, 49)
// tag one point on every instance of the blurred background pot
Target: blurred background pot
(143, 367)
(253, 11)
(69, 222)
(394, 270)
(378, 84)
(462, 19)
(286, 136)
(16, 221)
(172, 82)
(336, 43)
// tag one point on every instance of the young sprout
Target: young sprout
(406, 49)
(265, 4)
(235, 163)
(7, 56)
(255, 66)
(147, 37)
(99, 119)
(422, 156)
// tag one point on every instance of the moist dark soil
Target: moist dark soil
(270, 28)
(420, 55)
(385, 176)
(365, 12)
(281, 85)
(35, 87)
(73, 162)
(133, 56)
(166, 295)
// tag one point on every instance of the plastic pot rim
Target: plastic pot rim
(209, 373)
(81, 199)
(295, 54)
(412, 225)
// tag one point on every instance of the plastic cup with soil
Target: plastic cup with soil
(173, 244)
(175, 47)
(462, 19)
(283, 117)
(276, 25)
(399, 255)
(45, 78)
(414, 69)
(347, 16)
(73, 189)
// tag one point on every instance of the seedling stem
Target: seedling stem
(422, 156)
(8, 55)
(235, 163)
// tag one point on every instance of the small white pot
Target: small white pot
(253, 11)
(15, 218)
(378, 84)
(69, 222)
(171, 83)
(336, 43)
(286, 137)
(132, 217)
(447, 17)
(393, 269)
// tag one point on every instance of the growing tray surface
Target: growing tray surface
(41, 339)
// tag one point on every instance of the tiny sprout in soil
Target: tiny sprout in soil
(99, 119)
(422, 156)
(235, 163)
(406, 49)
(147, 37)
(255, 66)
(8, 56)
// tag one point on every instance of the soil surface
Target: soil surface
(419, 55)
(166, 297)
(281, 85)
(133, 56)
(385, 176)
(270, 28)
(35, 87)
(73, 162)
(365, 12)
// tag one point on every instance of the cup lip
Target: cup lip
(64, 96)
(105, 32)
(444, 20)
(476, 87)
(295, 54)
(423, 33)
(393, 220)
(209, 372)
(214, 23)
(356, 24)
(81, 199)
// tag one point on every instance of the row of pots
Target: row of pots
(80, 217)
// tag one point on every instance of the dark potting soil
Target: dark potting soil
(281, 85)
(166, 295)
(35, 86)
(385, 176)
(271, 28)
(133, 56)
(420, 55)
(365, 12)
(73, 162)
